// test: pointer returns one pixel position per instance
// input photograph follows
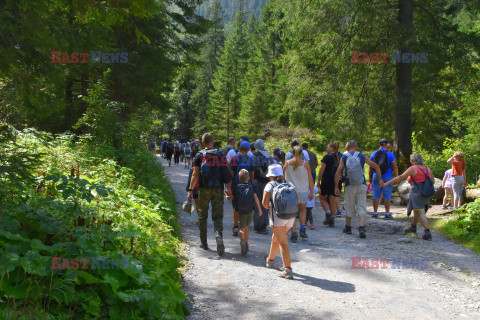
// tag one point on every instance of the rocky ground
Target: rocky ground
(444, 283)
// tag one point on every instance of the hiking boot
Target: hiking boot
(235, 231)
(388, 216)
(375, 215)
(220, 246)
(203, 240)
(247, 248)
(286, 273)
(411, 229)
(243, 247)
(303, 233)
(338, 214)
(268, 263)
(347, 229)
(363, 235)
(312, 226)
(328, 217)
(293, 238)
(427, 235)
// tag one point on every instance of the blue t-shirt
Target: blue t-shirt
(391, 158)
(362, 161)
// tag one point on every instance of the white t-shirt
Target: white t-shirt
(272, 184)
(290, 156)
(311, 203)
(232, 154)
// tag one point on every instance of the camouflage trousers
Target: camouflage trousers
(205, 197)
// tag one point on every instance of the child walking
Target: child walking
(243, 201)
(310, 206)
(447, 185)
(280, 226)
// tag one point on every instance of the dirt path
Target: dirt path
(324, 284)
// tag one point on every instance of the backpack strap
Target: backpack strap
(356, 153)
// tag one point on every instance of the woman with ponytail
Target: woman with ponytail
(326, 175)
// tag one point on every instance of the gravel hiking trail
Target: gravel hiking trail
(325, 286)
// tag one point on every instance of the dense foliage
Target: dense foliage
(57, 200)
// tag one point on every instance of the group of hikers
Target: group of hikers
(180, 151)
(275, 190)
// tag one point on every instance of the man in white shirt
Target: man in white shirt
(232, 152)
(293, 144)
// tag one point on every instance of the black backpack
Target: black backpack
(244, 198)
(428, 189)
(381, 158)
(169, 147)
(261, 168)
(210, 168)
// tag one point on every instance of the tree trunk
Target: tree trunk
(403, 101)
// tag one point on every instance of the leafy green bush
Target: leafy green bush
(465, 228)
(59, 204)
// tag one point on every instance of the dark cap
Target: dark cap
(383, 142)
(244, 138)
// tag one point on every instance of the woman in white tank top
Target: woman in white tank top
(297, 172)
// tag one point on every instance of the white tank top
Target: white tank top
(298, 177)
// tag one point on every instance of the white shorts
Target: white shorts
(278, 222)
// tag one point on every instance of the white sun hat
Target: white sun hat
(275, 170)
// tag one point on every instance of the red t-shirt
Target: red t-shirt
(420, 176)
(457, 168)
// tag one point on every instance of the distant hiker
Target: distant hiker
(417, 199)
(152, 147)
(195, 145)
(263, 160)
(187, 153)
(326, 175)
(244, 200)
(281, 158)
(355, 193)
(309, 208)
(336, 145)
(239, 162)
(386, 161)
(169, 150)
(275, 154)
(447, 186)
(182, 153)
(162, 149)
(230, 146)
(211, 172)
(177, 150)
(281, 198)
(297, 172)
(293, 144)
(313, 161)
(459, 178)
(233, 152)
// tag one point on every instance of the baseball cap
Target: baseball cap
(383, 142)
(245, 145)
(244, 138)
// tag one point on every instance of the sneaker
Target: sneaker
(375, 215)
(388, 216)
(363, 235)
(347, 229)
(286, 273)
(243, 247)
(427, 235)
(338, 214)
(411, 229)
(235, 231)
(293, 238)
(268, 263)
(303, 233)
(311, 226)
(220, 246)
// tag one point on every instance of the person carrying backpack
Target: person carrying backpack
(176, 153)
(241, 161)
(355, 193)
(244, 201)
(169, 151)
(281, 199)
(211, 173)
(187, 153)
(422, 189)
(326, 183)
(386, 161)
(263, 160)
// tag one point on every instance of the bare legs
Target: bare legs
(280, 242)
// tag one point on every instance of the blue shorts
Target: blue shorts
(377, 191)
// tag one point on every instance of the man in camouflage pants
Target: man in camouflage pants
(211, 171)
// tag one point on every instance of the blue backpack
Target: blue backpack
(244, 162)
